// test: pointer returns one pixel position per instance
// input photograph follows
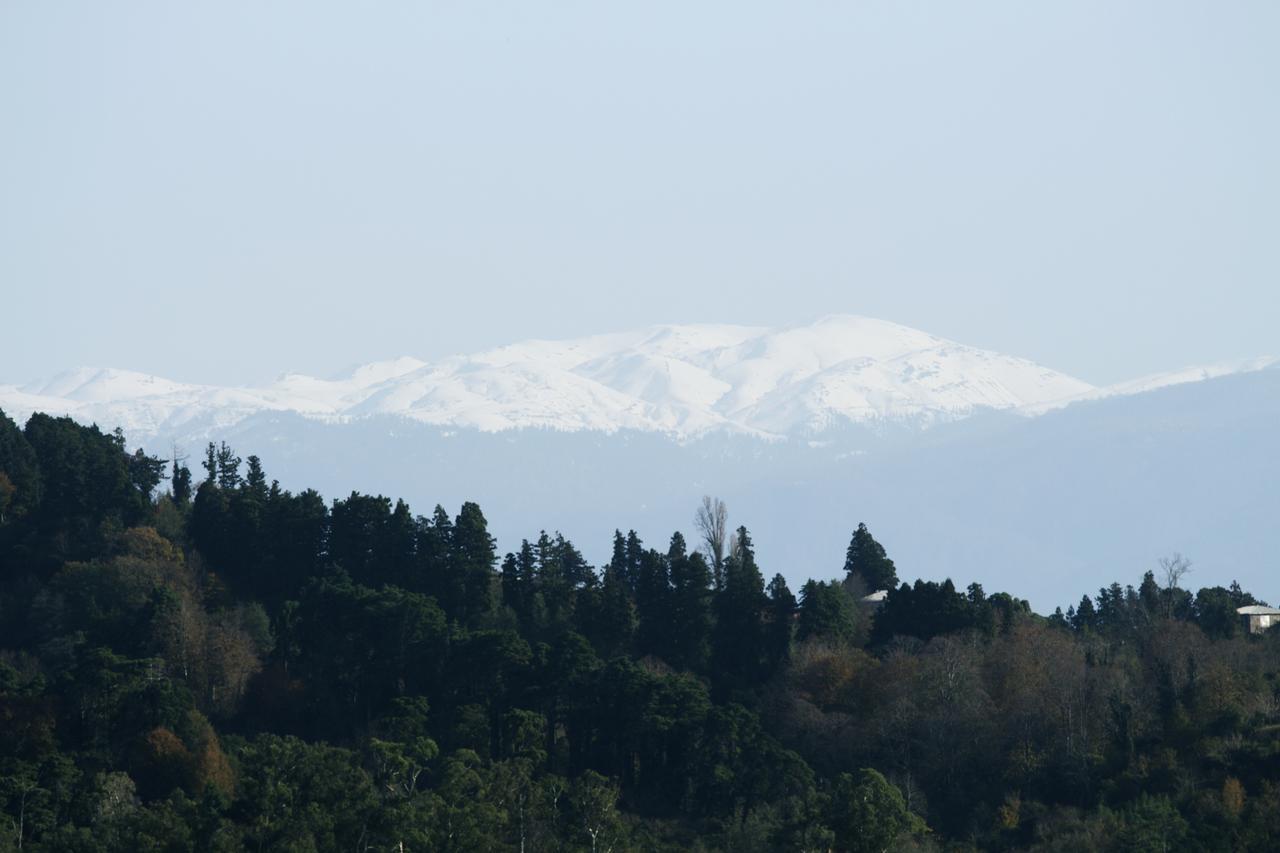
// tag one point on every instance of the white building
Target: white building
(1258, 617)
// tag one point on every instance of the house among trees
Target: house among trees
(1258, 617)
(875, 600)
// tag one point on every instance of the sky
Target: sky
(225, 192)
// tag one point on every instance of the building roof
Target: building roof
(879, 595)
(1257, 610)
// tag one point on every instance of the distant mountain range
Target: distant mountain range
(680, 381)
(964, 462)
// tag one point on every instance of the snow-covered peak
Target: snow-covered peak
(96, 384)
(679, 380)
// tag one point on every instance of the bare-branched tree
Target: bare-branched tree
(1174, 569)
(712, 520)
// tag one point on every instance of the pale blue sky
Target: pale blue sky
(226, 192)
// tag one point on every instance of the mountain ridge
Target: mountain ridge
(683, 381)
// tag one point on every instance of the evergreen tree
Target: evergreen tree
(1086, 615)
(474, 558)
(618, 560)
(397, 547)
(519, 576)
(357, 527)
(181, 484)
(573, 566)
(436, 572)
(653, 604)
(21, 469)
(228, 467)
(781, 628)
(255, 482)
(145, 473)
(739, 639)
(609, 616)
(210, 463)
(826, 610)
(633, 560)
(867, 559)
(690, 605)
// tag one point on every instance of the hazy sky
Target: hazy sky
(225, 192)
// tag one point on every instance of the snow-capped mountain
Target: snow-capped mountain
(682, 381)
(1161, 380)
(1179, 461)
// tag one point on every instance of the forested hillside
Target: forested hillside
(209, 662)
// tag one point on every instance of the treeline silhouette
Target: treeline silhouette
(229, 666)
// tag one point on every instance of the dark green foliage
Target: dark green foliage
(181, 487)
(739, 643)
(781, 623)
(608, 615)
(227, 465)
(867, 560)
(690, 606)
(1215, 610)
(85, 479)
(828, 611)
(359, 539)
(20, 492)
(246, 668)
(868, 814)
(654, 629)
(923, 611)
(472, 559)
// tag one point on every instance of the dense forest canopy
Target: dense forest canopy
(217, 663)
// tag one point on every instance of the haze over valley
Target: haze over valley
(968, 462)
